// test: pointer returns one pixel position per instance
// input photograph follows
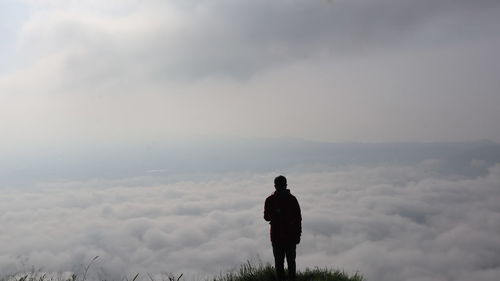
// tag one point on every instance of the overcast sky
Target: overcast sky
(357, 70)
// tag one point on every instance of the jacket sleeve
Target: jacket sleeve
(298, 217)
(267, 210)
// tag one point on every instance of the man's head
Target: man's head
(280, 183)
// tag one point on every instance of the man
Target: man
(282, 211)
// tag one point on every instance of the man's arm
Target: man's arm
(297, 208)
(267, 210)
(299, 220)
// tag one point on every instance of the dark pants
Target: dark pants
(280, 251)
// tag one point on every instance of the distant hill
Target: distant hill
(170, 159)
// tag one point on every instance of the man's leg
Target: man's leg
(290, 260)
(279, 260)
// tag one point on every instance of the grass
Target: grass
(246, 272)
(250, 272)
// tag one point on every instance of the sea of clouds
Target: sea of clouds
(389, 222)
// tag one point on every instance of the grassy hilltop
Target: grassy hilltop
(247, 272)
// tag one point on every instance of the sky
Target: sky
(148, 133)
(358, 70)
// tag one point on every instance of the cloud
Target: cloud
(104, 42)
(390, 223)
(325, 70)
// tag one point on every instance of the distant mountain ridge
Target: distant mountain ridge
(115, 161)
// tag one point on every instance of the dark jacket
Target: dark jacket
(282, 210)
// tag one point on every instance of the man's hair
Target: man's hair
(280, 183)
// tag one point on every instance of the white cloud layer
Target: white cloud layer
(390, 223)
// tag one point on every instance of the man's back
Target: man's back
(282, 210)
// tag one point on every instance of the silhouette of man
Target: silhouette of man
(282, 211)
